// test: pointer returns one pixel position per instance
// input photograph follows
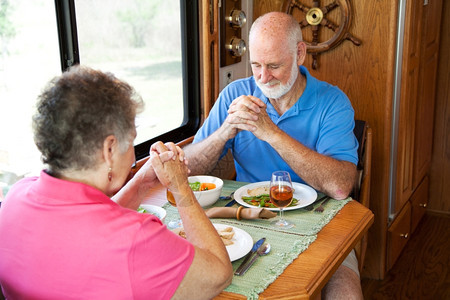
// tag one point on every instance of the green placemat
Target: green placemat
(284, 249)
(306, 222)
(286, 245)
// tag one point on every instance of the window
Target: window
(29, 58)
(151, 44)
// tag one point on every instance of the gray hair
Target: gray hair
(77, 111)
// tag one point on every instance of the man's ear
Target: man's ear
(109, 147)
(301, 53)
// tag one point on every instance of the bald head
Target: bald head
(277, 26)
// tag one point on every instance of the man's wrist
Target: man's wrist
(220, 137)
(275, 137)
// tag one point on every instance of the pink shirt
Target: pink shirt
(66, 240)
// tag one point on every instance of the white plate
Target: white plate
(155, 210)
(242, 242)
(302, 192)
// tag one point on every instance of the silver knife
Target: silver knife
(263, 250)
(255, 248)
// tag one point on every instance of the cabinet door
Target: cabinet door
(419, 202)
(407, 112)
(427, 90)
(398, 234)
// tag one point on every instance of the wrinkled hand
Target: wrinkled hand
(242, 111)
(139, 186)
(147, 172)
(168, 151)
(249, 113)
(169, 164)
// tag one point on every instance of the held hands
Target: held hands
(249, 113)
(165, 158)
(170, 165)
(147, 172)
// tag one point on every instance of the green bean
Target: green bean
(263, 200)
(255, 197)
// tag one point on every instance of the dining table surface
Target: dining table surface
(308, 273)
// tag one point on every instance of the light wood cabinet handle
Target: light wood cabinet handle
(404, 235)
(424, 205)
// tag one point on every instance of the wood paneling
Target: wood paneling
(261, 7)
(209, 30)
(440, 166)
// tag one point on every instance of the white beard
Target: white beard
(277, 92)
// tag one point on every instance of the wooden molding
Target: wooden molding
(209, 52)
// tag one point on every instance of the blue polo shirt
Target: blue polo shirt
(322, 119)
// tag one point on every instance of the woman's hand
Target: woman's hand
(169, 163)
(166, 152)
(139, 187)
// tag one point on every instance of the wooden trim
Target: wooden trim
(209, 50)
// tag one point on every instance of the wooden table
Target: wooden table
(308, 274)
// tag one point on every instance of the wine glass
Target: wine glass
(174, 223)
(281, 194)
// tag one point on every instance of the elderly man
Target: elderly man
(282, 118)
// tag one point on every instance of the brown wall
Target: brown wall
(440, 165)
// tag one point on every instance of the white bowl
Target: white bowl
(155, 210)
(209, 197)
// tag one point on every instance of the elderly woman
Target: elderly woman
(63, 237)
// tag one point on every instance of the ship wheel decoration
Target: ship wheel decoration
(316, 18)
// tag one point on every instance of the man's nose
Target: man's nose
(265, 75)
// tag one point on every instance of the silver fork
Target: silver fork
(320, 208)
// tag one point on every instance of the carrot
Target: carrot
(207, 186)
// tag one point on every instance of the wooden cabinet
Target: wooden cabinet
(429, 57)
(416, 116)
(419, 203)
(408, 103)
(398, 234)
(406, 222)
